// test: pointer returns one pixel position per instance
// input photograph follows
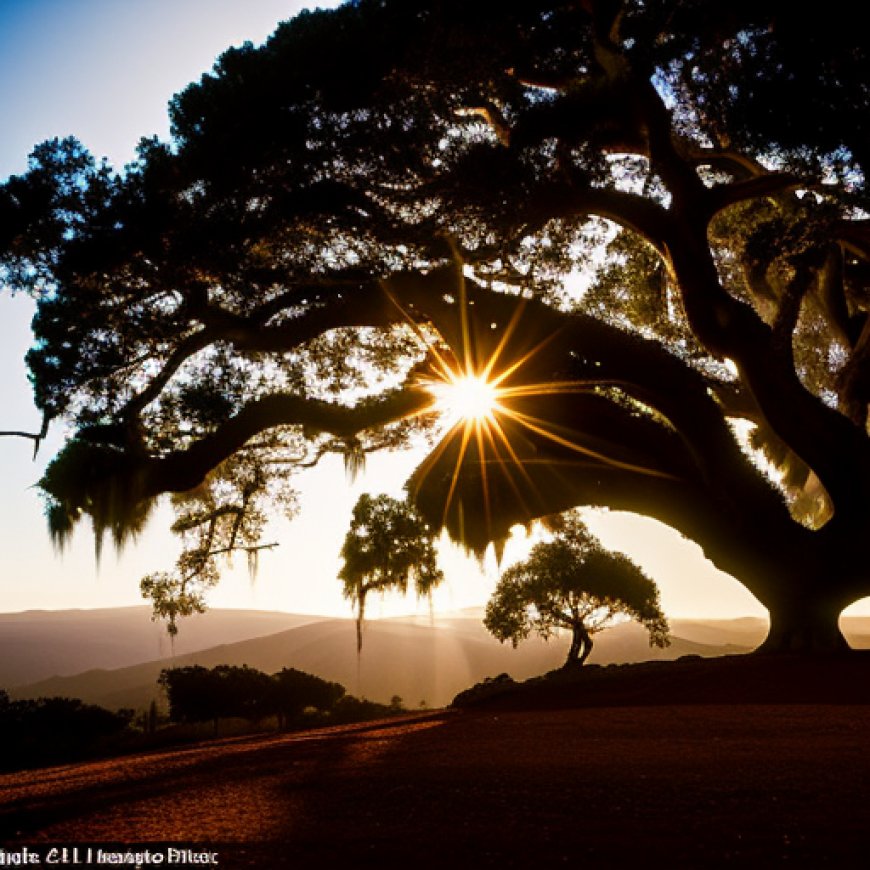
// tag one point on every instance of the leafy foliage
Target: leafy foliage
(573, 583)
(198, 694)
(223, 516)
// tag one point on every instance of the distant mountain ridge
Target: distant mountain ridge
(417, 658)
(38, 644)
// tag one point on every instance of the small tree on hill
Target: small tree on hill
(573, 582)
(387, 545)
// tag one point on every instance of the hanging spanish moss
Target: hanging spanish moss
(100, 481)
(253, 559)
(354, 459)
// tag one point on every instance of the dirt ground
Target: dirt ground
(697, 784)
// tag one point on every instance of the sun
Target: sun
(465, 397)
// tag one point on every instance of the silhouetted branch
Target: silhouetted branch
(36, 437)
(723, 195)
(238, 548)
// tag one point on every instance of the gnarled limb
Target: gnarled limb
(723, 196)
(183, 469)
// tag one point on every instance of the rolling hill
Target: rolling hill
(38, 644)
(414, 658)
(417, 658)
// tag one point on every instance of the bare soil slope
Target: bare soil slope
(724, 780)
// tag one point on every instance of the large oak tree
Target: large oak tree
(391, 190)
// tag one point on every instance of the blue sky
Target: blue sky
(104, 70)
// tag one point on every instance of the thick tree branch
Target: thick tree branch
(360, 305)
(832, 297)
(854, 379)
(184, 350)
(821, 436)
(724, 195)
(735, 400)
(789, 311)
(855, 236)
(184, 469)
(734, 542)
(729, 328)
(643, 216)
(734, 162)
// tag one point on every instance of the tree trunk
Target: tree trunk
(581, 646)
(805, 627)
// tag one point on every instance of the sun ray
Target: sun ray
(478, 426)
(509, 330)
(553, 388)
(428, 344)
(507, 467)
(521, 361)
(466, 437)
(538, 426)
(512, 453)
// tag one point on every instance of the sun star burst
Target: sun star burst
(465, 397)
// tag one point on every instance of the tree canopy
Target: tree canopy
(321, 241)
(573, 583)
(42, 731)
(198, 694)
(294, 691)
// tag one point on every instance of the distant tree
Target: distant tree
(70, 719)
(387, 545)
(198, 694)
(573, 583)
(193, 694)
(245, 692)
(352, 709)
(152, 718)
(294, 691)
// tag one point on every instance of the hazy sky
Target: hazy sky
(103, 70)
